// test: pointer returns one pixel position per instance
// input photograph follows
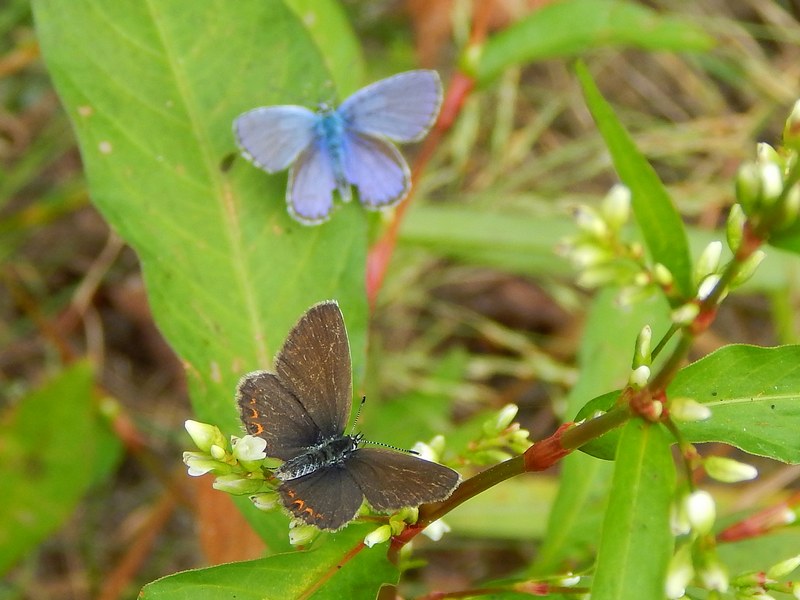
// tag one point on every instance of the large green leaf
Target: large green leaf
(656, 215)
(43, 479)
(320, 573)
(569, 27)
(152, 89)
(753, 394)
(636, 544)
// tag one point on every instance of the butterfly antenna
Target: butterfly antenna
(363, 441)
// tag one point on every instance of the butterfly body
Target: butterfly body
(301, 411)
(328, 453)
(348, 146)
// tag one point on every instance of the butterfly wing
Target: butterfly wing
(270, 411)
(401, 108)
(327, 498)
(392, 480)
(314, 365)
(309, 193)
(377, 169)
(272, 137)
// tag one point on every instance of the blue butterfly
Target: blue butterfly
(335, 148)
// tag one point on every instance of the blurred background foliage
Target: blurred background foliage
(477, 310)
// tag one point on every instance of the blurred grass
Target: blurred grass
(479, 245)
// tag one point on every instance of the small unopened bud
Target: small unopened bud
(714, 577)
(708, 262)
(235, 484)
(771, 182)
(642, 356)
(218, 452)
(749, 267)
(639, 377)
(663, 275)
(688, 410)
(748, 186)
(684, 315)
(378, 536)
(679, 573)
(569, 580)
(588, 221)
(734, 227)
(728, 470)
(796, 591)
(500, 420)
(300, 533)
(436, 530)
(701, 511)
(204, 435)
(783, 568)
(616, 207)
(766, 154)
(791, 130)
(791, 208)
(707, 286)
(265, 501)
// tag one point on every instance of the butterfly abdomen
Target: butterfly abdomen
(326, 454)
(330, 131)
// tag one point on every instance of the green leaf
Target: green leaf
(152, 89)
(569, 28)
(335, 568)
(42, 479)
(636, 543)
(658, 219)
(605, 362)
(754, 397)
(753, 394)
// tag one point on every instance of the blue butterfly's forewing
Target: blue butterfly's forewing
(309, 193)
(377, 169)
(401, 108)
(273, 137)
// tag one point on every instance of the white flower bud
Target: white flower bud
(250, 448)
(714, 577)
(616, 207)
(436, 530)
(684, 315)
(708, 262)
(707, 286)
(701, 511)
(235, 484)
(688, 410)
(728, 470)
(771, 182)
(679, 573)
(265, 501)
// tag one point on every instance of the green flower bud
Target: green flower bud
(204, 435)
(265, 501)
(766, 154)
(218, 452)
(734, 228)
(791, 208)
(501, 420)
(300, 533)
(235, 484)
(684, 315)
(708, 262)
(728, 470)
(642, 356)
(663, 276)
(588, 221)
(378, 536)
(200, 463)
(748, 186)
(791, 130)
(748, 268)
(783, 568)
